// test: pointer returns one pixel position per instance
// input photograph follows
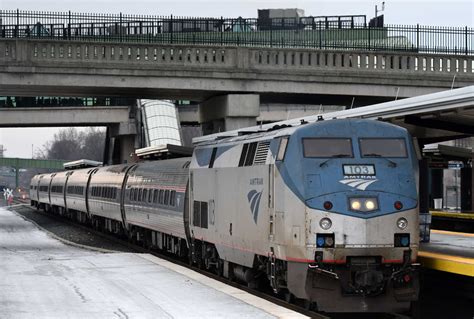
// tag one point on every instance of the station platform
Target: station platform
(449, 252)
(45, 278)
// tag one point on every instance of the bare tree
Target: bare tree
(93, 144)
(71, 144)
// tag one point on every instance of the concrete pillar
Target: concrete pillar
(424, 184)
(436, 188)
(467, 183)
(122, 141)
(229, 112)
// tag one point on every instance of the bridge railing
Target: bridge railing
(339, 32)
(208, 57)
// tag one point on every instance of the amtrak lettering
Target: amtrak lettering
(359, 182)
(256, 181)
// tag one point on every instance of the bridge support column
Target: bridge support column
(121, 143)
(229, 112)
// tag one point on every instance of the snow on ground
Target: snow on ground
(40, 277)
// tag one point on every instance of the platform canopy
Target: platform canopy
(431, 118)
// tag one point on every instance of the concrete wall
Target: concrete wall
(269, 112)
(63, 116)
(59, 68)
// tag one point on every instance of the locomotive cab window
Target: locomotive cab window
(327, 147)
(383, 147)
(282, 148)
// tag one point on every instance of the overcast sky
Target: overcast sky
(18, 142)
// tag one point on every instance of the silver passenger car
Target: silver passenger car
(155, 196)
(104, 191)
(43, 191)
(34, 184)
(57, 191)
(76, 190)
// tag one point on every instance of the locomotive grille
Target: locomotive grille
(262, 152)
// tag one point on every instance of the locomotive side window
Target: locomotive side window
(282, 148)
(327, 147)
(383, 147)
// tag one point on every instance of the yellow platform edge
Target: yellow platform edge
(452, 215)
(447, 263)
(451, 233)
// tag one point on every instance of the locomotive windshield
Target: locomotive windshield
(327, 147)
(383, 147)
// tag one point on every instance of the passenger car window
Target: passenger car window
(162, 196)
(172, 198)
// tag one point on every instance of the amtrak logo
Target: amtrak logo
(254, 200)
(358, 183)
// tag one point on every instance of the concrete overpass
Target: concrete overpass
(119, 120)
(198, 72)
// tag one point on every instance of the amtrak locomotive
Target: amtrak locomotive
(325, 211)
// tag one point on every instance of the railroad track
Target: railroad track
(20, 207)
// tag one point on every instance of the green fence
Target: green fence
(338, 32)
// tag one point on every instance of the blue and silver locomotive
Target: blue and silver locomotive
(325, 211)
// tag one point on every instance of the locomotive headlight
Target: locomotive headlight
(363, 204)
(325, 223)
(402, 223)
(369, 204)
(355, 205)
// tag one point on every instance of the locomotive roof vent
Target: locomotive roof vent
(82, 163)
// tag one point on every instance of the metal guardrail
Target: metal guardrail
(338, 32)
(31, 163)
(57, 101)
